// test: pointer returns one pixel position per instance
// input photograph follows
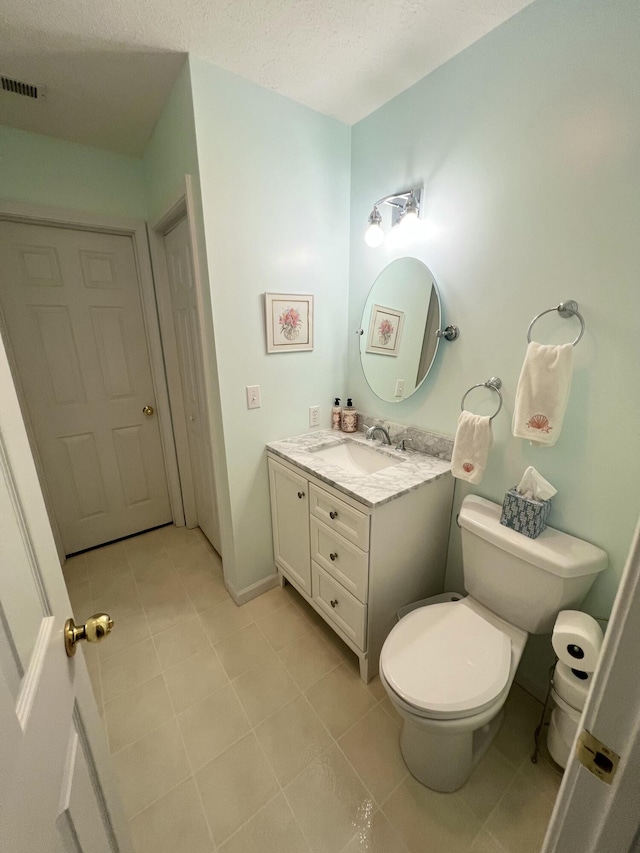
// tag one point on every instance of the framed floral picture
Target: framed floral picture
(385, 330)
(289, 322)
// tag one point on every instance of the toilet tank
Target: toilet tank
(525, 581)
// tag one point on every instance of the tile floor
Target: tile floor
(247, 729)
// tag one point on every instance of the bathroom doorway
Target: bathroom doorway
(80, 326)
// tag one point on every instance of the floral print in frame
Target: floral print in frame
(289, 322)
(385, 330)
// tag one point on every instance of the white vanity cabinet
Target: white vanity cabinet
(357, 564)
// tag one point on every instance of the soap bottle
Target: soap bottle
(349, 417)
(336, 414)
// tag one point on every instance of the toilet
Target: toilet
(448, 667)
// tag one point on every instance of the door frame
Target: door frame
(175, 211)
(136, 229)
(590, 815)
(182, 206)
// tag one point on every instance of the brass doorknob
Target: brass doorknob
(148, 410)
(94, 629)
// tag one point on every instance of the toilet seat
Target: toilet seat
(445, 661)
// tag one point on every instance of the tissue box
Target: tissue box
(526, 515)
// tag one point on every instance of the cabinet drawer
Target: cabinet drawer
(339, 516)
(340, 608)
(348, 564)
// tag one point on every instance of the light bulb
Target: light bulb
(409, 215)
(408, 218)
(374, 235)
(409, 224)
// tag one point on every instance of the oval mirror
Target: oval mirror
(400, 319)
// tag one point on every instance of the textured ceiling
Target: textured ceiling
(109, 65)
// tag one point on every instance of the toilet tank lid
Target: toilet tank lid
(556, 552)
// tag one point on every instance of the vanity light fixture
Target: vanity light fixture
(405, 212)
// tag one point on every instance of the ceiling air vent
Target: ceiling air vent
(27, 90)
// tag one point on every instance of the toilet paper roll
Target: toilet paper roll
(573, 688)
(577, 639)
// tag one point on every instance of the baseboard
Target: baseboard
(253, 591)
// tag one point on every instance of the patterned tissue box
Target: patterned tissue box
(526, 515)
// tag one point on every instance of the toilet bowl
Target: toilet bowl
(448, 667)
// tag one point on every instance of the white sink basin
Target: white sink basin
(356, 458)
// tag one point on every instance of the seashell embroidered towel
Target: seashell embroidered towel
(471, 447)
(542, 393)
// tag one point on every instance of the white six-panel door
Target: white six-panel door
(185, 320)
(56, 788)
(74, 322)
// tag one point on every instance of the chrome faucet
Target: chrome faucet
(371, 433)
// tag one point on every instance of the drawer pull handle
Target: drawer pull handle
(334, 602)
(333, 513)
(300, 495)
(333, 557)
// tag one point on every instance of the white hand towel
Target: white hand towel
(542, 393)
(471, 447)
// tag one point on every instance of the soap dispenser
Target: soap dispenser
(349, 417)
(336, 414)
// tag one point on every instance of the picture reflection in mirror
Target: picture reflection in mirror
(400, 319)
(385, 330)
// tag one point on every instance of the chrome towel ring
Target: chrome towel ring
(495, 384)
(565, 309)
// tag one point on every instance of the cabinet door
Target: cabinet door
(290, 520)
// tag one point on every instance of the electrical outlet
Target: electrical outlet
(253, 397)
(399, 388)
(314, 415)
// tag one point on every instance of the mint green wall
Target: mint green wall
(171, 152)
(275, 195)
(528, 146)
(36, 169)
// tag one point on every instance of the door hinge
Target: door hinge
(596, 756)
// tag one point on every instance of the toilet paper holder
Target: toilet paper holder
(542, 724)
(545, 710)
(592, 753)
(576, 654)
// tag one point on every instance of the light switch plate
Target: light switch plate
(314, 415)
(399, 388)
(253, 397)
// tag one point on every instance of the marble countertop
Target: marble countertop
(412, 471)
